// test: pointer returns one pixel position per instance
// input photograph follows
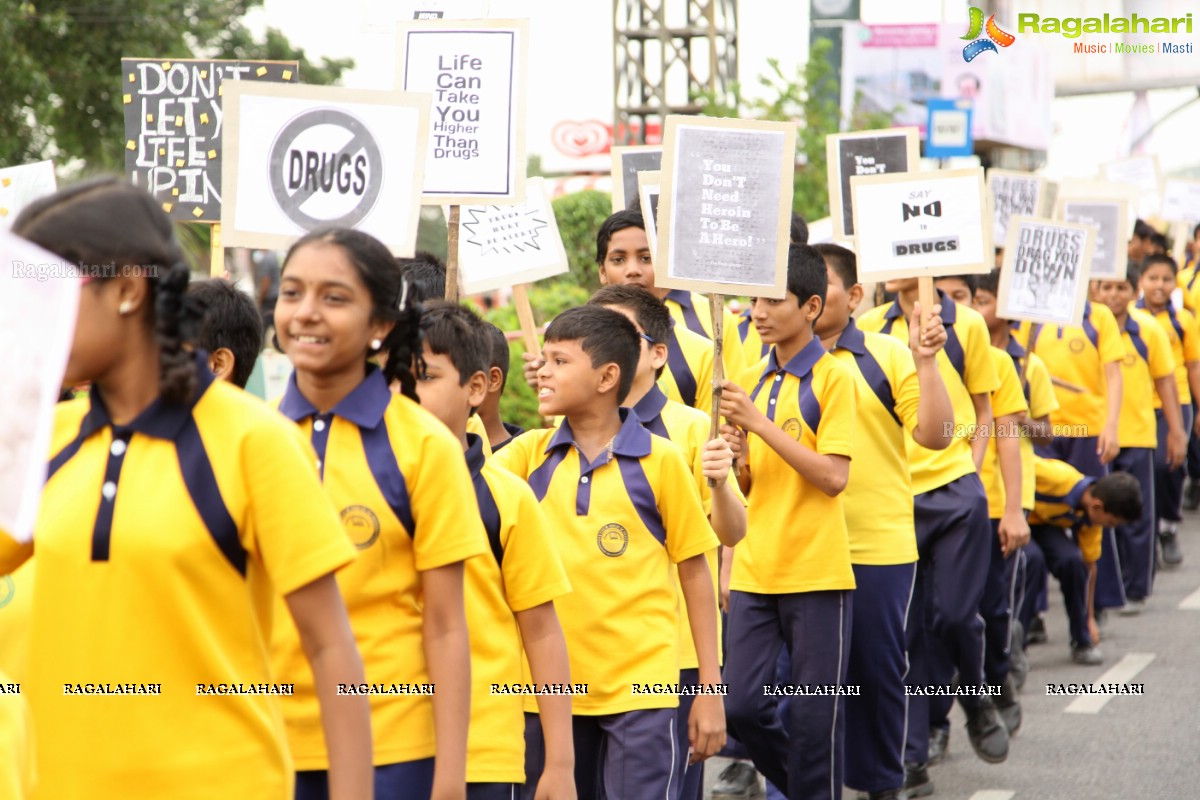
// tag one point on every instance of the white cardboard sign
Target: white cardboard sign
(299, 158)
(1181, 201)
(1046, 271)
(502, 246)
(20, 186)
(1142, 172)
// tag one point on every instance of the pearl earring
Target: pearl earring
(125, 307)
(376, 344)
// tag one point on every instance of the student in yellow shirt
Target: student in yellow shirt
(953, 531)
(899, 390)
(399, 478)
(1066, 520)
(499, 432)
(688, 428)
(1149, 372)
(624, 506)
(510, 591)
(231, 333)
(1190, 288)
(792, 585)
(1001, 474)
(175, 508)
(1029, 567)
(17, 771)
(1157, 281)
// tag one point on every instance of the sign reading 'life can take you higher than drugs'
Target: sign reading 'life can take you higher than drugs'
(725, 205)
(173, 127)
(300, 158)
(475, 72)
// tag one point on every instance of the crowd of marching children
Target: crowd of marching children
(379, 587)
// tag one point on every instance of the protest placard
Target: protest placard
(173, 127)
(725, 205)
(1046, 271)
(879, 152)
(38, 301)
(627, 162)
(1108, 206)
(475, 70)
(1181, 201)
(1142, 172)
(922, 224)
(300, 158)
(1014, 194)
(649, 187)
(503, 246)
(21, 185)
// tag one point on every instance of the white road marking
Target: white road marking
(1191, 602)
(993, 794)
(1122, 672)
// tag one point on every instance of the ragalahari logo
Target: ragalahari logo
(995, 36)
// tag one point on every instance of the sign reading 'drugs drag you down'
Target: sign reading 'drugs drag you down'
(299, 158)
(922, 224)
(1046, 271)
(174, 124)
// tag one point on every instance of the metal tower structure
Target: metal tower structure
(668, 55)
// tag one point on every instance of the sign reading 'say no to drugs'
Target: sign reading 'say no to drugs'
(475, 72)
(299, 158)
(174, 123)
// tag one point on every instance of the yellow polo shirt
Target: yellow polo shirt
(1039, 393)
(693, 311)
(1147, 358)
(1184, 339)
(688, 375)
(796, 539)
(1007, 399)
(1060, 489)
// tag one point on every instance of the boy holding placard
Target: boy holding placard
(899, 389)
(792, 583)
(1158, 279)
(626, 507)
(951, 519)
(1149, 373)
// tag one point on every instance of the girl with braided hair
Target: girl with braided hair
(175, 507)
(398, 476)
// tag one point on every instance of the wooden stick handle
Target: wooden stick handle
(452, 255)
(525, 315)
(927, 297)
(216, 267)
(716, 306)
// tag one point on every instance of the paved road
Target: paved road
(1131, 747)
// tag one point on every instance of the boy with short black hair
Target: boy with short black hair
(792, 583)
(499, 432)
(1066, 523)
(426, 275)
(899, 390)
(231, 331)
(624, 506)
(1157, 281)
(711, 459)
(509, 594)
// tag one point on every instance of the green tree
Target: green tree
(811, 100)
(579, 216)
(60, 61)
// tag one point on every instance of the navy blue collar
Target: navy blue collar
(632, 439)
(475, 456)
(364, 406)
(1131, 325)
(651, 405)
(1014, 349)
(801, 364)
(681, 296)
(1141, 303)
(160, 419)
(1074, 497)
(852, 339)
(949, 309)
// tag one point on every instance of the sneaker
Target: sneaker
(939, 741)
(738, 781)
(1086, 654)
(1018, 662)
(916, 781)
(1191, 496)
(886, 794)
(1172, 556)
(1037, 631)
(1008, 706)
(1133, 606)
(988, 735)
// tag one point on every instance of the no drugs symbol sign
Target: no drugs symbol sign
(299, 158)
(325, 169)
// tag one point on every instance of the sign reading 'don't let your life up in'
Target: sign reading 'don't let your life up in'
(173, 127)
(475, 71)
(299, 158)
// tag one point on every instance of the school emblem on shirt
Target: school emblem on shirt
(612, 539)
(792, 428)
(1129, 360)
(8, 590)
(1076, 345)
(361, 524)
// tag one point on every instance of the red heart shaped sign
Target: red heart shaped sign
(581, 139)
